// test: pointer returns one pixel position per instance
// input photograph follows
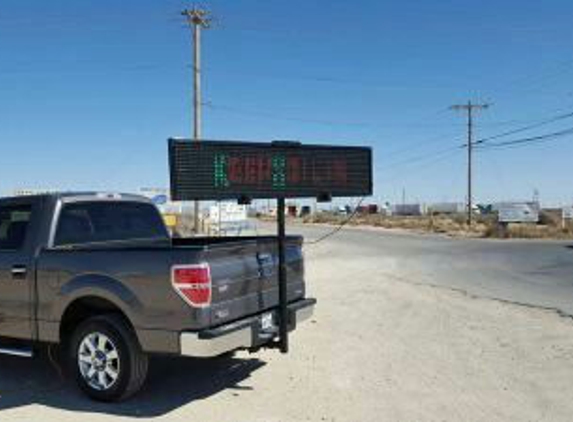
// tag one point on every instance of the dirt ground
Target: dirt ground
(379, 348)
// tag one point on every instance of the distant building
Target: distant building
(161, 197)
(517, 212)
(30, 192)
(448, 208)
(408, 209)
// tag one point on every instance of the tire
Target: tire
(106, 359)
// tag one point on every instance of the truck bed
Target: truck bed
(243, 272)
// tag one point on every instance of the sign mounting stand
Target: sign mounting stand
(243, 171)
(283, 294)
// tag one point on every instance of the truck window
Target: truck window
(89, 222)
(14, 221)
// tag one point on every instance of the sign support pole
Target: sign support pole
(282, 277)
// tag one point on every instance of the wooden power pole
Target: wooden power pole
(469, 108)
(197, 19)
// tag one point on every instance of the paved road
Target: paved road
(538, 273)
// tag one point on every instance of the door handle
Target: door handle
(19, 271)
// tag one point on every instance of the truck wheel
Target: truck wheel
(106, 359)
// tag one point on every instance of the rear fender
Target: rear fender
(103, 287)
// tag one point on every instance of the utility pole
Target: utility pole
(469, 108)
(197, 19)
(536, 196)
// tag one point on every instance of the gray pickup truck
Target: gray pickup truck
(99, 275)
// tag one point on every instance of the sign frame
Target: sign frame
(316, 170)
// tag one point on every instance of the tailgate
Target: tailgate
(245, 276)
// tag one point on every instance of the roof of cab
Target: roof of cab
(85, 196)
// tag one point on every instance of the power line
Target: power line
(277, 116)
(137, 68)
(529, 140)
(324, 122)
(429, 161)
(525, 128)
(416, 145)
(532, 83)
(339, 227)
(422, 157)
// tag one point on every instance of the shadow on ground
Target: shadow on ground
(172, 383)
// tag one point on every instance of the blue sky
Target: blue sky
(91, 90)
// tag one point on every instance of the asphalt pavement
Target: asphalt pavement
(531, 272)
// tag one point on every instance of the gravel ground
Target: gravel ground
(380, 348)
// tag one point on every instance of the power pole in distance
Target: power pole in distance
(469, 108)
(197, 20)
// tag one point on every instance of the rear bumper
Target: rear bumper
(243, 334)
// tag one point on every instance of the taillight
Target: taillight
(193, 284)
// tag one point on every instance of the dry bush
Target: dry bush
(538, 231)
(484, 225)
(550, 218)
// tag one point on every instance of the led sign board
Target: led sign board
(216, 170)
